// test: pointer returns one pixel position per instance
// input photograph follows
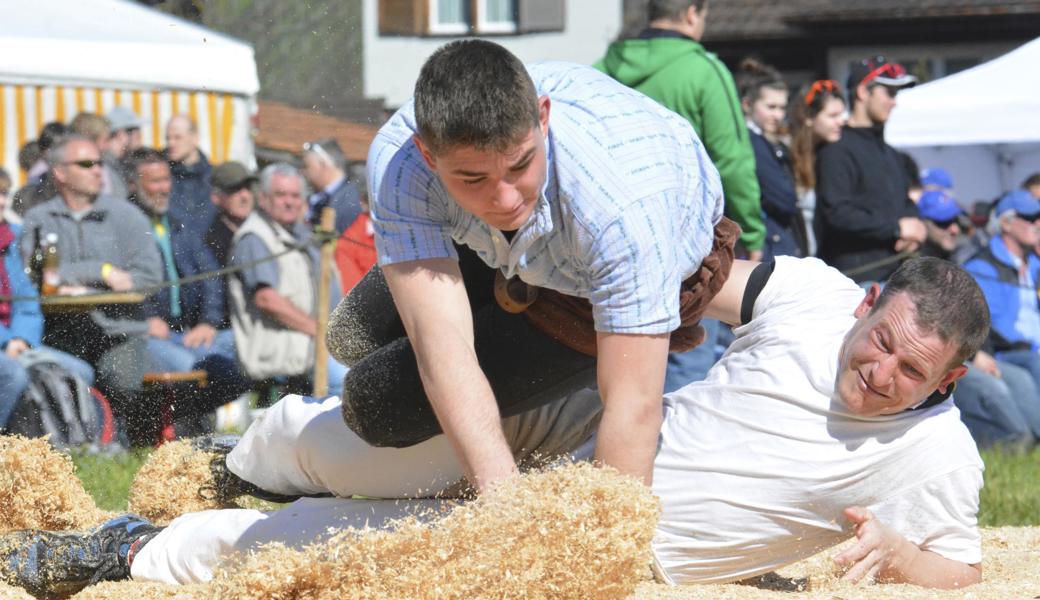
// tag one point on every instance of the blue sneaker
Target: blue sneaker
(47, 563)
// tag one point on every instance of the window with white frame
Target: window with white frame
(449, 16)
(463, 17)
(496, 16)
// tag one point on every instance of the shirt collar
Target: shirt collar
(540, 222)
(331, 188)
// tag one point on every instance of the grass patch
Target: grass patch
(1011, 496)
(107, 478)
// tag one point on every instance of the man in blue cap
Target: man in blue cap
(942, 216)
(997, 400)
(938, 179)
(1008, 271)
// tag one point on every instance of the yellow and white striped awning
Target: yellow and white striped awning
(225, 129)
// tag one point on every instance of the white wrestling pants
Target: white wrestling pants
(302, 446)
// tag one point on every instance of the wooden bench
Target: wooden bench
(168, 381)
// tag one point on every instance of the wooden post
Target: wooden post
(321, 350)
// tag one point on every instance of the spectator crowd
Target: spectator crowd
(224, 258)
(229, 264)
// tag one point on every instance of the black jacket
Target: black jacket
(861, 193)
(785, 228)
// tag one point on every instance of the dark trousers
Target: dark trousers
(383, 397)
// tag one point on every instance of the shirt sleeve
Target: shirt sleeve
(634, 276)
(804, 288)
(940, 515)
(408, 203)
(249, 249)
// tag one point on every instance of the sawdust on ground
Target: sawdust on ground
(168, 484)
(573, 532)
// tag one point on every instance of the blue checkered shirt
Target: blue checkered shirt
(628, 209)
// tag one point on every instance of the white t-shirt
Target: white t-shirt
(758, 461)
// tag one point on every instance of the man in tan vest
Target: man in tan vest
(273, 302)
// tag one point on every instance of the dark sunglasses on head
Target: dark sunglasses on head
(85, 164)
(818, 87)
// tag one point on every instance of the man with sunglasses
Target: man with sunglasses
(1008, 272)
(105, 244)
(864, 216)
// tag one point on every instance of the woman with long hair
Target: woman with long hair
(763, 96)
(817, 116)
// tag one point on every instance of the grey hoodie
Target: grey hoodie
(111, 231)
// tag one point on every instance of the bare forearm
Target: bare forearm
(927, 569)
(284, 311)
(434, 308)
(465, 407)
(627, 436)
(630, 373)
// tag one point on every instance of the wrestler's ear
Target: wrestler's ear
(952, 375)
(543, 113)
(868, 301)
(425, 151)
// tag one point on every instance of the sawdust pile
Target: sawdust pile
(132, 590)
(39, 489)
(167, 484)
(570, 532)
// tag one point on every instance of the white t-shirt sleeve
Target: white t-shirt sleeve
(804, 286)
(940, 515)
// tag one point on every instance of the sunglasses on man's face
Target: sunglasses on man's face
(1031, 218)
(85, 164)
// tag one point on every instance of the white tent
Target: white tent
(60, 57)
(982, 124)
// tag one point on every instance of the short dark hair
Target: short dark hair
(139, 157)
(51, 132)
(474, 93)
(672, 9)
(947, 301)
(1030, 181)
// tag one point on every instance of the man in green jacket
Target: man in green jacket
(668, 63)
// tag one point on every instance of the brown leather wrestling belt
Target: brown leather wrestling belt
(568, 319)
